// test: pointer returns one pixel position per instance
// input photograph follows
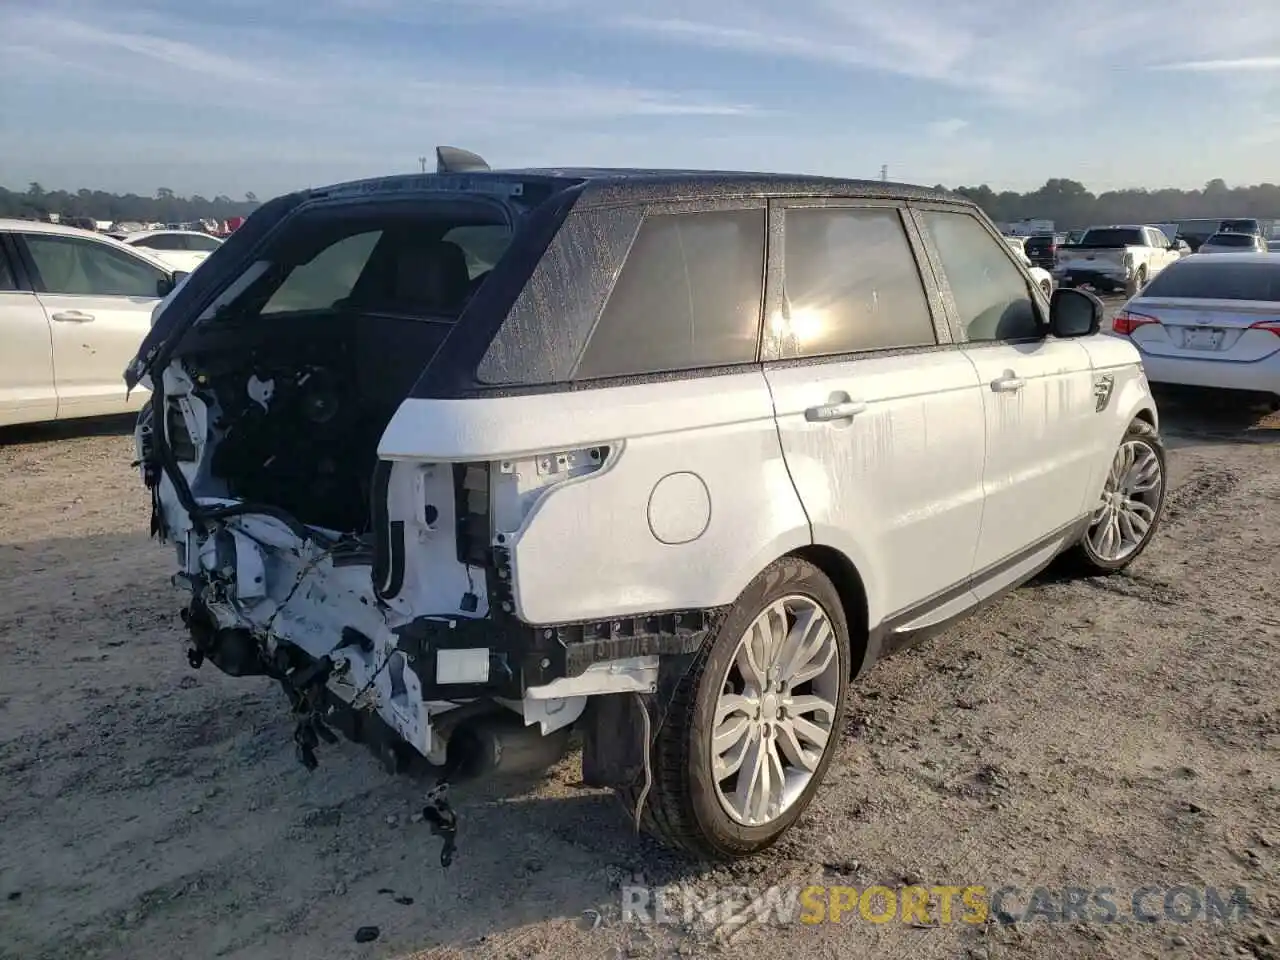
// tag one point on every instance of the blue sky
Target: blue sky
(229, 96)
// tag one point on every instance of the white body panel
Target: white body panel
(692, 501)
(27, 392)
(872, 484)
(94, 338)
(1039, 411)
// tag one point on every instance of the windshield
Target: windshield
(1113, 237)
(1244, 240)
(1209, 280)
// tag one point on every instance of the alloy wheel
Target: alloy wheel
(776, 712)
(1129, 502)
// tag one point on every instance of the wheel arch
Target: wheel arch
(844, 576)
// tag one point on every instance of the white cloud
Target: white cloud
(943, 129)
(1238, 65)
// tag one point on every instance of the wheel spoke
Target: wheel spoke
(810, 703)
(728, 734)
(1140, 516)
(753, 779)
(813, 651)
(789, 744)
(748, 661)
(1145, 477)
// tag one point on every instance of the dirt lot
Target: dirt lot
(1116, 733)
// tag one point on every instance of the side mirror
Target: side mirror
(1074, 313)
(166, 285)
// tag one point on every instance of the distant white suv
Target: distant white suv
(669, 456)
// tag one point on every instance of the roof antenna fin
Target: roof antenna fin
(457, 160)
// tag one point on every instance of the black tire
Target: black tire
(682, 808)
(1081, 559)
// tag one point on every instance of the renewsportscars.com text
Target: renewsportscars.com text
(939, 904)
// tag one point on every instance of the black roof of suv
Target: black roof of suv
(530, 351)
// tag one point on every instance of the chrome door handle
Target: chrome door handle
(73, 316)
(837, 410)
(1008, 384)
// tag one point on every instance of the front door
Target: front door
(99, 301)
(880, 415)
(1037, 391)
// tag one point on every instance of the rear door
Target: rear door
(880, 413)
(27, 391)
(1037, 391)
(99, 299)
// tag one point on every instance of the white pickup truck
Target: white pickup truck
(1116, 258)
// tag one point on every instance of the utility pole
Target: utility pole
(422, 162)
(884, 172)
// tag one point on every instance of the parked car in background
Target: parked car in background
(1227, 242)
(1244, 225)
(181, 249)
(1115, 258)
(1210, 321)
(1042, 277)
(1273, 246)
(74, 306)
(810, 453)
(1042, 249)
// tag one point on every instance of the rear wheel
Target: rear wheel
(1134, 286)
(754, 724)
(1047, 287)
(1128, 512)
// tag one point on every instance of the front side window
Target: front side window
(851, 283)
(69, 265)
(990, 293)
(688, 296)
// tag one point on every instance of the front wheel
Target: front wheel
(1047, 287)
(754, 724)
(1127, 514)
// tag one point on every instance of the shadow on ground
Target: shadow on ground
(117, 426)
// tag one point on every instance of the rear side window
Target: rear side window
(851, 283)
(990, 292)
(326, 278)
(483, 245)
(1208, 278)
(688, 296)
(194, 241)
(162, 241)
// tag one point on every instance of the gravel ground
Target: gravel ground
(1120, 732)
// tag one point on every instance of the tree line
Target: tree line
(1070, 205)
(164, 207)
(1067, 202)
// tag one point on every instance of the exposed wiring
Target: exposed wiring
(648, 770)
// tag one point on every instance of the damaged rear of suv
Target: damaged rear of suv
(466, 460)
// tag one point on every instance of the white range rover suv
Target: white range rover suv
(670, 457)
